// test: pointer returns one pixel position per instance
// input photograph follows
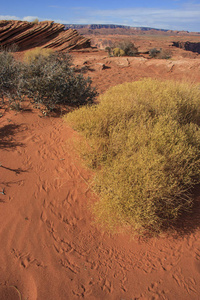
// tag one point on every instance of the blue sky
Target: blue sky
(171, 14)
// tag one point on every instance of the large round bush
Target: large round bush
(143, 140)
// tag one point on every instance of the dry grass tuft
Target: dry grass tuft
(143, 140)
(32, 54)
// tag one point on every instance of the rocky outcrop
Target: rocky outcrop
(47, 34)
(189, 46)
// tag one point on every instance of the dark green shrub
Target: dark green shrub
(143, 140)
(50, 80)
(109, 50)
(10, 79)
(47, 79)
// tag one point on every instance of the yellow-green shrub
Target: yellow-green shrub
(145, 136)
(118, 52)
(32, 54)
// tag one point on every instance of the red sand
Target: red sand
(50, 246)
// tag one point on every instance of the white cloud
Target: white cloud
(183, 18)
(63, 21)
(186, 17)
(26, 18)
(7, 17)
(29, 18)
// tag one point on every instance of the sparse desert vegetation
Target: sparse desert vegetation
(140, 139)
(145, 138)
(10, 80)
(46, 78)
(122, 48)
(160, 54)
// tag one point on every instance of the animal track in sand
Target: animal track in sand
(188, 283)
(26, 259)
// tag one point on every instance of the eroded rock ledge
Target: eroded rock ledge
(45, 34)
(189, 46)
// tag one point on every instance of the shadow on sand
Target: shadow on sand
(6, 136)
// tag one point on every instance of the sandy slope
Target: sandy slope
(51, 249)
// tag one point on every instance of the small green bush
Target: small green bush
(159, 54)
(154, 52)
(143, 140)
(109, 50)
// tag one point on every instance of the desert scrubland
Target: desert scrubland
(51, 245)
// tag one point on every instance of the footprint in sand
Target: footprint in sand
(20, 287)
(197, 265)
(9, 293)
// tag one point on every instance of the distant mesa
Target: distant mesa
(94, 26)
(47, 34)
(123, 29)
(108, 26)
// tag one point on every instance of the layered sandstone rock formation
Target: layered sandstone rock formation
(194, 47)
(47, 34)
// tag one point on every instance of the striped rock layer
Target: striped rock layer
(47, 34)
